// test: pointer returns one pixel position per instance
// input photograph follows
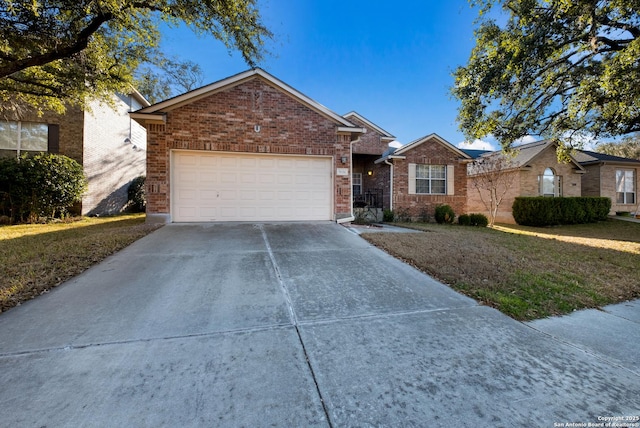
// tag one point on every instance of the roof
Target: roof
(585, 157)
(434, 137)
(156, 112)
(385, 135)
(526, 153)
(474, 154)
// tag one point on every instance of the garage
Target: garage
(250, 187)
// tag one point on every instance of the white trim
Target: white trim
(351, 129)
(435, 137)
(148, 117)
(450, 180)
(412, 179)
(385, 134)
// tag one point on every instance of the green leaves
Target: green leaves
(59, 52)
(556, 68)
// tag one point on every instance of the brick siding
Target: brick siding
(416, 206)
(228, 121)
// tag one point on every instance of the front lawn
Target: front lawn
(526, 272)
(38, 257)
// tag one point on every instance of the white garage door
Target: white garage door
(248, 187)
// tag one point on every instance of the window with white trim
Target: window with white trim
(356, 181)
(550, 184)
(24, 136)
(431, 179)
(625, 186)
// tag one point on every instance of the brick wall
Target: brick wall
(251, 117)
(475, 204)
(370, 143)
(430, 153)
(590, 181)
(571, 181)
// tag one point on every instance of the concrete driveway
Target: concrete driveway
(288, 325)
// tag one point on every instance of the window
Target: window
(24, 136)
(625, 187)
(356, 181)
(550, 184)
(431, 179)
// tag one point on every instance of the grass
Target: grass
(525, 272)
(37, 257)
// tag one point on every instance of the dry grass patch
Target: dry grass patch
(38, 257)
(527, 273)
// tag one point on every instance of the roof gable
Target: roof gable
(156, 110)
(355, 115)
(431, 137)
(527, 153)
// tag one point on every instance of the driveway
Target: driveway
(288, 325)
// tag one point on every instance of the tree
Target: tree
(556, 68)
(492, 176)
(166, 77)
(57, 52)
(627, 148)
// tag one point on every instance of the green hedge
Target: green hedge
(40, 186)
(547, 211)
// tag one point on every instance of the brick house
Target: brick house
(534, 171)
(247, 148)
(611, 176)
(426, 173)
(370, 180)
(103, 139)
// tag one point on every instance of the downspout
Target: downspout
(353, 216)
(390, 183)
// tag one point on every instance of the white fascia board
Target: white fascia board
(351, 129)
(390, 157)
(385, 134)
(148, 117)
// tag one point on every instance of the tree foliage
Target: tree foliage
(492, 176)
(627, 148)
(39, 186)
(555, 68)
(54, 52)
(166, 77)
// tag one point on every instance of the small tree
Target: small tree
(492, 176)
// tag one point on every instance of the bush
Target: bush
(479, 220)
(464, 220)
(444, 214)
(546, 211)
(44, 185)
(387, 216)
(136, 195)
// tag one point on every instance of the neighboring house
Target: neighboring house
(247, 148)
(535, 171)
(105, 141)
(611, 176)
(426, 173)
(370, 181)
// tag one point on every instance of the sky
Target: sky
(390, 62)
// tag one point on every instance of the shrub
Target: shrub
(444, 214)
(479, 220)
(464, 220)
(136, 195)
(387, 216)
(44, 185)
(545, 211)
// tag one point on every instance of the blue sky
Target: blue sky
(390, 62)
